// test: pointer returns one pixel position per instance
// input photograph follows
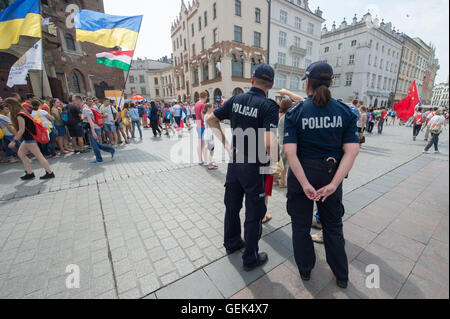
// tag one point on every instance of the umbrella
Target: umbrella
(137, 98)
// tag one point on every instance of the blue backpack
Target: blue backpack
(65, 115)
(356, 112)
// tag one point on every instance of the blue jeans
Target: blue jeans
(6, 140)
(96, 146)
(134, 123)
(434, 141)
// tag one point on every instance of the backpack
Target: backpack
(41, 135)
(356, 112)
(65, 115)
(419, 119)
(98, 118)
(38, 118)
(141, 111)
(435, 128)
(2, 133)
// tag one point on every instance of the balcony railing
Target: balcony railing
(297, 50)
(289, 69)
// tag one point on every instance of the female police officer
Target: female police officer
(321, 143)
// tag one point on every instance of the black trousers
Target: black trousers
(155, 127)
(380, 126)
(244, 179)
(370, 127)
(300, 208)
(416, 130)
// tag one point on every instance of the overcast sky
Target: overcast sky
(427, 19)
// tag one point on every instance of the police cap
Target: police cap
(319, 70)
(264, 72)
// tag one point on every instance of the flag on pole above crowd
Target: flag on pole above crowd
(116, 59)
(31, 60)
(107, 30)
(406, 107)
(20, 18)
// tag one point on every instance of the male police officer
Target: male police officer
(254, 121)
(321, 143)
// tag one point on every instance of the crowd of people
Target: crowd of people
(92, 124)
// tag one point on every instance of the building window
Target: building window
(337, 80)
(70, 43)
(199, 23)
(340, 45)
(205, 15)
(327, 49)
(203, 44)
(281, 58)
(283, 16)
(310, 28)
(215, 36)
(131, 79)
(132, 90)
(196, 80)
(296, 61)
(217, 66)
(193, 31)
(157, 92)
(298, 23)
(307, 63)
(258, 15)
(185, 48)
(349, 79)
(143, 91)
(237, 66)
(282, 39)
(309, 47)
(257, 39)
(351, 59)
(294, 83)
(141, 79)
(297, 42)
(156, 81)
(193, 50)
(353, 43)
(252, 66)
(237, 7)
(237, 33)
(370, 59)
(214, 11)
(280, 81)
(206, 71)
(76, 83)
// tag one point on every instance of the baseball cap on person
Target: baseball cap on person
(319, 70)
(264, 72)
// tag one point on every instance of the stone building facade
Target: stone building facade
(69, 67)
(418, 64)
(365, 55)
(294, 43)
(161, 85)
(440, 96)
(216, 46)
(138, 80)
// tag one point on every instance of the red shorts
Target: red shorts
(269, 185)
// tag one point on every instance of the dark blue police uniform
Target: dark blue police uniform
(319, 133)
(250, 111)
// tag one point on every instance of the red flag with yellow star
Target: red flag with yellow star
(406, 107)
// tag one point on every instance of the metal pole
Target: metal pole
(268, 33)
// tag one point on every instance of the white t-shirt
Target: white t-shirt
(43, 117)
(108, 111)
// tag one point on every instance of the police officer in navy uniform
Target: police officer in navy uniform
(321, 144)
(254, 121)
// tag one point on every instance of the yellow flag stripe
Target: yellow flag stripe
(109, 38)
(11, 30)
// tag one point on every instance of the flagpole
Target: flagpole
(128, 73)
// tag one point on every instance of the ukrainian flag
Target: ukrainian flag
(22, 17)
(107, 30)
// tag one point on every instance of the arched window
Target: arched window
(70, 43)
(280, 81)
(237, 66)
(294, 83)
(77, 82)
(237, 91)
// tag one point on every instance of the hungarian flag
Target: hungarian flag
(406, 107)
(116, 59)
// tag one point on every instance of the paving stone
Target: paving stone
(419, 288)
(194, 286)
(403, 245)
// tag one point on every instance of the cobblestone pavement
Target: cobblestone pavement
(151, 222)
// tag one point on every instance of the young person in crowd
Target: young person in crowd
(25, 128)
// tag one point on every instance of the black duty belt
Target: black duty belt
(329, 163)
